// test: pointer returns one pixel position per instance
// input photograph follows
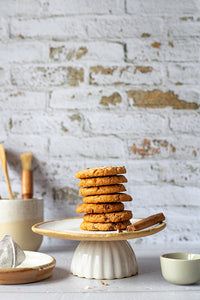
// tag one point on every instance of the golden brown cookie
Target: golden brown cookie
(99, 208)
(99, 181)
(99, 190)
(115, 217)
(104, 226)
(101, 171)
(121, 197)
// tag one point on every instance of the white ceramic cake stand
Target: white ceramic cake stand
(100, 254)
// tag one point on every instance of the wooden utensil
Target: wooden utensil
(27, 176)
(147, 222)
(5, 170)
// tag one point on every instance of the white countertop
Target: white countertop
(148, 284)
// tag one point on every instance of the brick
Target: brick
(183, 73)
(130, 124)
(184, 123)
(164, 7)
(42, 122)
(79, 7)
(40, 77)
(159, 99)
(20, 8)
(165, 172)
(89, 147)
(179, 28)
(23, 52)
(183, 50)
(95, 51)
(127, 74)
(87, 99)
(187, 93)
(181, 147)
(4, 76)
(21, 101)
(38, 145)
(124, 27)
(49, 28)
(3, 29)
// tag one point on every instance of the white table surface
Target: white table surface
(148, 284)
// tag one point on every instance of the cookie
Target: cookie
(121, 197)
(99, 190)
(99, 181)
(101, 171)
(115, 217)
(104, 226)
(99, 208)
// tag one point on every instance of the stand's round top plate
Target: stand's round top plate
(70, 229)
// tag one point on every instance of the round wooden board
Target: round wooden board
(36, 266)
(70, 229)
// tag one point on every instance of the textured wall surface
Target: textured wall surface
(87, 83)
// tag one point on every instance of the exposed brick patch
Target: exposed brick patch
(159, 99)
(112, 99)
(145, 35)
(171, 44)
(143, 69)
(102, 70)
(152, 148)
(63, 53)
(156, 45)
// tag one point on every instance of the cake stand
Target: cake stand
(100, 254)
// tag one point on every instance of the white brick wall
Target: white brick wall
(87, 83)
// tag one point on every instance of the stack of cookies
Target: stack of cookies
(102, 190)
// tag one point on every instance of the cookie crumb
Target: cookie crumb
(104, 283)
(87, 287)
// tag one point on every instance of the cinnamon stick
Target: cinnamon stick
(147, 222)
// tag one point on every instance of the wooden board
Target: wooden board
(70, 229)
(36, 266)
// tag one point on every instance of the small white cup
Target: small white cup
(16, 219)
(180, 268)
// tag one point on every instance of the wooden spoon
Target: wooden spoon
(4, 166)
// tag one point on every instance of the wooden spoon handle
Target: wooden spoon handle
(4, 166)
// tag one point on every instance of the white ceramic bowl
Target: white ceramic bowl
(16, 219)
(180, 268)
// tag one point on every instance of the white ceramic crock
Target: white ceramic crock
(16, 219)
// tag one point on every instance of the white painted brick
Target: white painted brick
(126, 74)
(4, 75)
(23, 52)
(51, 28)
(179, 50)
(41, 122)
(177, 28)
(62, 7)
(141, 49)
(90, 51)
(165, 172)
(21, 101)
(16, 144)
(178, 147)
(124, 27)
(89, 147)
(163, 196)
(184, 73)
(125, 125)
(187, 122)
(86, 98)
(42, 76)
(3, 29)
(163, 7)
(19, 8)
(187, 93)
